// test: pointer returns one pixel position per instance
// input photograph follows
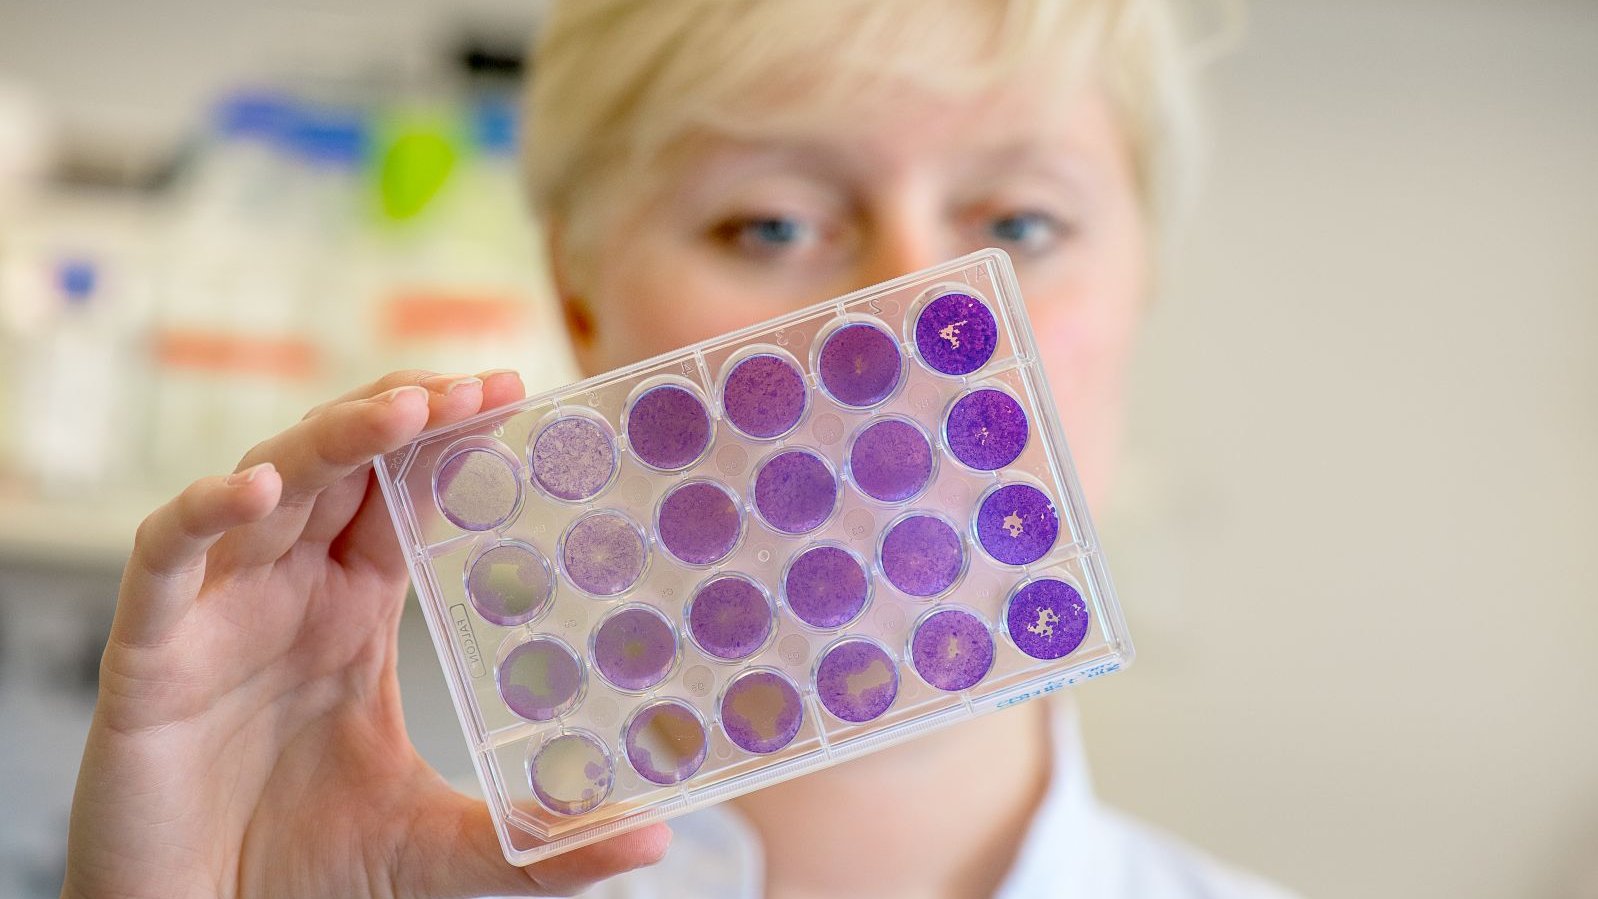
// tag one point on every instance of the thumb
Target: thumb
(454, 851)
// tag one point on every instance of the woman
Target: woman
(700, 165)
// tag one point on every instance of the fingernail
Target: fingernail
(389, 396)
(499, 371)
(448, 384)
(240, 478)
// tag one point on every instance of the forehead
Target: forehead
(1025, 123)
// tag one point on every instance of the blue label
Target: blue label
(1059, 683)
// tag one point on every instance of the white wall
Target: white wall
(1357, 536)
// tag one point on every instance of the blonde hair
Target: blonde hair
(616, 81)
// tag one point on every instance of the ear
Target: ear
(575, 309)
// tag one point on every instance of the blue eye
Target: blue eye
(766, 237)
(773, 230)
(1030, 231)
(764, 234)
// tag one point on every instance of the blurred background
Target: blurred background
(1354, 533)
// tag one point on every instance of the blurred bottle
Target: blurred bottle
(26, 150)
(73, 374)
(239, 349)
(465, 290)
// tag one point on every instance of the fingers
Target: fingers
(369, 538)
(167, 567)
(451, 399)
(319, 452)
(325, 448)
(453, 851)
(572, 872)
(373, 388)
(330, 443)
(502, 387)
(420, 376)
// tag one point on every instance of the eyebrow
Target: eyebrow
(1052, 159)
(1064, 165)
(742, 160)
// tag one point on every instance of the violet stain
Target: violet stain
(571, 774)
(668, 427)
(540, 678)
(956, 334)
(795, 491)
(510, 583)
(761, 711)
(699, 522)
(952, 649)
(477, 488)
(922, 555)
(634, 648)
(825, 586)
(1017, 524)
(856, 680)
(986, 429)
(603, 553)
(730, 617)
(665, 742)
(890, 460)
(764, 396)
(860, 364)
(1046, 618)
(573, 458)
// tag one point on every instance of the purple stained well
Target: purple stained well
(891, 460)
(573, 458)
(540, 678)
(764, 396)
(510, 583)
(668, 427)
(795, 491)
(699, 522)
(986, 429)
(730, 617)
(761, 711)
(860, 364)
(922, 555)
(826, 586)
(952, 649)
(571, 774)
(665, 742)
(1047, 618)
(1017, 524)
(603, 553)
(856, 680)
(956, 334)
(634, 648)
(477, 488)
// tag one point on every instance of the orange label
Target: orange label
(441, 314)
(220, 352)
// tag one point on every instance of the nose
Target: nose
(903, 233)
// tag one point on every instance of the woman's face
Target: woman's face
(737, 231)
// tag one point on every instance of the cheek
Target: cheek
(1084, 330)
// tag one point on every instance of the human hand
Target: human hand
(248, 739)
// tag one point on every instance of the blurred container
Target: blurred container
(74, 366)
(304, 246)
(25, 142)
(464, 290)
(239, 345)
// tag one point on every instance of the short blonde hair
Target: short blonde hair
(616, 81)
